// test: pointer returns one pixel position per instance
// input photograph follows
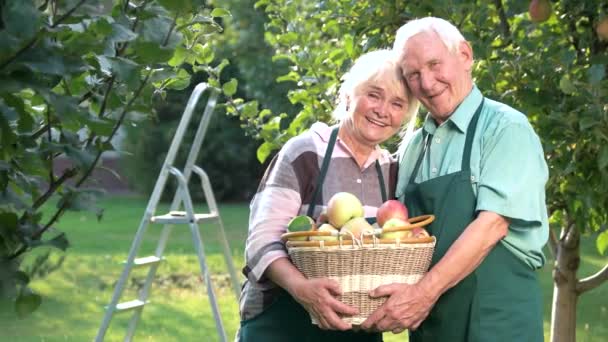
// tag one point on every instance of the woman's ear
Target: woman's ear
(347, 103)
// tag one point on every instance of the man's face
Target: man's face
(439, 78)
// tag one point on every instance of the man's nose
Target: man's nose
(426, 81)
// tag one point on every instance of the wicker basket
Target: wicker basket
(361, 265)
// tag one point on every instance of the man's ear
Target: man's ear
(465, 54)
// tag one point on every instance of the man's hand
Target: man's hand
(406, 308)
(317, 296)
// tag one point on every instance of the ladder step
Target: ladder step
(130, 305)
(179, 217)
(149, 260)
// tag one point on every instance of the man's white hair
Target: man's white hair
(448, 33)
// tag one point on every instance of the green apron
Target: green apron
(500, 300)
(285, 319)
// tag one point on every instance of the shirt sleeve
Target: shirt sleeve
(513, 174)
(273, 206)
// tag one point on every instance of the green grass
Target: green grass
(74, 295)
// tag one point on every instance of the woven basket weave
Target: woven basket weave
(361, 266)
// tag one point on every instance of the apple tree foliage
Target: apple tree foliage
(554, 71)
(72, 73)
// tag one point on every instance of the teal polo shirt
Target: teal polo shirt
(508, 169)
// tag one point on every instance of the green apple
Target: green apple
(394, 223)
(356, 227)
(326, 227)
(301, 223)
(342, 207)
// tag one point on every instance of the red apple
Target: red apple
(391, 209)
(602, 29)
(540, 10)
(419, 232)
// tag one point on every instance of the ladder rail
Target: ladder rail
(154, 200)
(207, 189)
(200, 251)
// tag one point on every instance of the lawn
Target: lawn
(74, 295)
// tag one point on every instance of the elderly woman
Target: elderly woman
(374, 103)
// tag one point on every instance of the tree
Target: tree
(553, 70)
(73, 72)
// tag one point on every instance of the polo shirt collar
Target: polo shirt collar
(461, 116)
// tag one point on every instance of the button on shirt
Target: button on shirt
(508, 169)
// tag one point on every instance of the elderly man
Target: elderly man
(479, 167)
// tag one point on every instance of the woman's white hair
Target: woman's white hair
(448, 33)
(375, 67)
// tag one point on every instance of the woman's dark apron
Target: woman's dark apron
(285, 319)
(500, 300)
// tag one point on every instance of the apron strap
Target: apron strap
(427, 137)
(324, 167)
(468, 145)
(466, 155)
(381, 182)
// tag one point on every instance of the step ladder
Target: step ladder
(186, 217)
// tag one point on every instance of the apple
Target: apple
(342, 207)
(356, 227)
(326, 227)
(323, 218)
(602, 29)
(540, 10)
(391, 209)
(300, 224)
(420, 232)
(395, 223)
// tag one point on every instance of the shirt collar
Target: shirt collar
(461, 116)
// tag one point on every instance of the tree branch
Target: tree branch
(553, 242)
(34, 40)
(593, 281)
(69, 173)
(504, 22)
(104, 102)
(166, 40)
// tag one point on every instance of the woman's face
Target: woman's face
(377, 112)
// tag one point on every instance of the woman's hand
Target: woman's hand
(317, 296)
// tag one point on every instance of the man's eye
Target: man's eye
(413, 76)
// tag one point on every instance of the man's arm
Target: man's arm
(409, 305)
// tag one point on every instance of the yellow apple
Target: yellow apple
(342, 207)
(356, 227)
(395, 223)
(326, 227)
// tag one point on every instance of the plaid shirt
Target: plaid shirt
(286, 191)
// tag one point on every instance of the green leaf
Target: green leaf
(596, 73)
(82, 158)
(602, 242)
(264, 151)
(180, 82)
(566, 85)
(60, 241)
(21, 18)
(220, 12)
(204, 53)
(229, 87)
(27, 302)
(602, 160)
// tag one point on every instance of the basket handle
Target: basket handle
(414, 222)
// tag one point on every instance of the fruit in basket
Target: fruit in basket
(342, 207)
(420, 232)
(391, 209)
(301, 223)
(326, 227)
(356, 227)
(323, 218)
(395, 223)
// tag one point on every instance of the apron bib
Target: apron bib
(481, 307)
(285, 319)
